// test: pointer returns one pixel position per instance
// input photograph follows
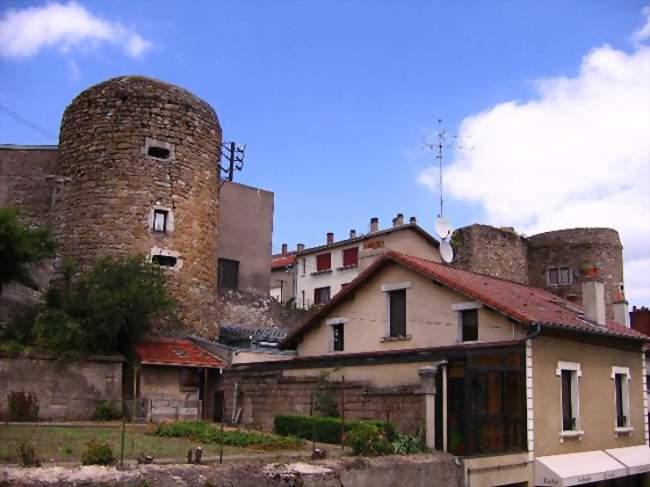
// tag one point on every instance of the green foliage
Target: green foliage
(325, 403)
(325, 430)
(28, 456)
(206, 433)
(23, 406)
(97, 453)
(116, 299)
(408, 445)
(66, 450)
(368, 439)
(20, 246)
(106, 411)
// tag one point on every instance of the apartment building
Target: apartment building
(321, 272)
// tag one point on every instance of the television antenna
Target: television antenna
(443, 227)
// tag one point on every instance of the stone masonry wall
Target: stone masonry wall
(492, 251)
(263, 395)
(113, 185)
(577, 248)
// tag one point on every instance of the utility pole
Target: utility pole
(234, 155)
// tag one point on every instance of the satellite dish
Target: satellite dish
(446, 251)
(443, 228)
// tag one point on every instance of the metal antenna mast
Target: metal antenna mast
(440, 146)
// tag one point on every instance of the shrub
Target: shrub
(97, 453)
(106, 411)
(206, 433)
(408, 445)
(57, 332)
(368, 439)
(23, 406)
(325, 404)
(324, 430)
(28, 456)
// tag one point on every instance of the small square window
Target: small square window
(160, 220)
(164, 260)
(158, 152)
(322, 295)
(559, 276)
(337, 337)
(189, 380)
(469, 325)
(323, 262)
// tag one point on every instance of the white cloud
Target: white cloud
(643, 34)
(23, 33)
(576, 155)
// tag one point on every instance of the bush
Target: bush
(408, 445)
(106, 411)
(368, 439)
(57, 332)
(324, 430)
(97, 453)
(23, 406)
(206, 433)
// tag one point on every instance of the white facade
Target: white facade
(308, 278)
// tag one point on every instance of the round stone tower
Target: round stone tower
(139, 158)
(559, 262)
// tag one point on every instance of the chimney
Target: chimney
(374, 224)
(330, 238)
(593, 299)
(621, 313)
(398, 220)
(300, 247)
(413, 220)
(353, 233)
(284, 249)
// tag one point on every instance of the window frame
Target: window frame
(336, 324)
(316, 293)
(558, 269)
(575, 375)
(624, 374)
(165, 216)
(393, 332)
(462, 325)
(320, 257)
(354, 251)
(220, 283)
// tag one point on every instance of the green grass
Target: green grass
(66, 444)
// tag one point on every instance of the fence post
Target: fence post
(342, 412)
(313, 424)
(122, 442)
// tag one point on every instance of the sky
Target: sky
(546, 104)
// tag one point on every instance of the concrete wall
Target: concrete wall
(596, 396)
(406, 240)
(160, 387)
(245, 228)
(430, 320)
(65, 390)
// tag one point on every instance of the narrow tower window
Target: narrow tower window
(158, 152)
(160, 220)
(164, 260)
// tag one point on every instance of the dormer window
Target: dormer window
(160, 221)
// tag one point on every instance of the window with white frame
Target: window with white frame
(569, 374)
(467, 320)
(621, 376)
(559, 276)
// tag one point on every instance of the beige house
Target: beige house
(321, 272)
(526, 387)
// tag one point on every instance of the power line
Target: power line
(28, 123)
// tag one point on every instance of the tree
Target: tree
(116, 300)
(19, 247)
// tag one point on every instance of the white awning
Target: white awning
(577, 468)
(635, 458)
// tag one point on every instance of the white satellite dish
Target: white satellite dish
(443, 228)
(446, 251)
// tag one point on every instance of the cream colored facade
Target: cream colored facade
(597, 415)
(405, 240)
(430, 318)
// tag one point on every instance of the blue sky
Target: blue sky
(333, 98)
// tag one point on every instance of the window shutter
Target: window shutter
(350, 256)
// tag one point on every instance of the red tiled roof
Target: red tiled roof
(525, 304)
(278, 261)
(168, 351)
